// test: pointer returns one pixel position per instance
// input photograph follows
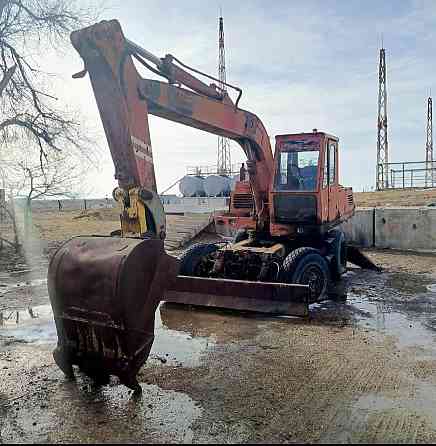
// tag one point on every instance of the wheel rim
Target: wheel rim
(314, 277)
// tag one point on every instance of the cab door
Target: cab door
(332, 179)
(324, 187)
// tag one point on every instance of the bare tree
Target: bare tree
(7, 218)
(28, 109)
(61, 175)
(42, 144)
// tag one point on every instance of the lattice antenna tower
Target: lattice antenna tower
(224, 164)
(382, 181)
(430, 175)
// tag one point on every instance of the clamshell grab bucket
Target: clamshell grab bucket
(104, 292)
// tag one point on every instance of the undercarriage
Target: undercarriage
(318, 263)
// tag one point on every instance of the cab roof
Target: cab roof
(298, 136)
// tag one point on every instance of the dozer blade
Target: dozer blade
(264, 297)
(104, 292)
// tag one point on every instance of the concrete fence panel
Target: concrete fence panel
(405, 228)
(197, 205)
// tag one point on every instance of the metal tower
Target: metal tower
(430, 175)
(382, 181)
(224, 164)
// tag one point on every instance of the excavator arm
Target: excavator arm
(124, 101)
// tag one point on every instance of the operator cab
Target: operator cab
(306, 189)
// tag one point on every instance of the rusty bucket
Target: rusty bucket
(104, 292)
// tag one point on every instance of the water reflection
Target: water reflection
(14, 316)
(30, 325)
(218, 325)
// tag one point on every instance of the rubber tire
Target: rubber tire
(240, 235)
(297, 262)
(191, 258)
(338, 265)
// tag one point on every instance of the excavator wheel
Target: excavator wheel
(306, 266)
(190, 261)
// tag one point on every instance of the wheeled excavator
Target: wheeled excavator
(287, 251)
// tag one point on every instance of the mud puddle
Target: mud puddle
(35, 325)
(22, 286)
(176, 347)
(77, 412)
(380, 302)
(408, 331)
(182, 336)
(20, 289)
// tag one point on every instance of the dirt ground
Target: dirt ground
(359, 371)
(392, 198)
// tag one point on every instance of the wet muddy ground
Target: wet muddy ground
(359, 371)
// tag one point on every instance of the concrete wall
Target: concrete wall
(360, 229)
(70, 204)
(398, 228)
(170, 199)
(405, 228)
(411, 228)
(198, 205)
(172, 204)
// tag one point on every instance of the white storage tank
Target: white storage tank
(217, 186)
(192, 186)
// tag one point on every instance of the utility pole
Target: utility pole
(224, 164)
(429, 161)
(382, 181)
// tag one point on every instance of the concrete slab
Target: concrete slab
(405, 228)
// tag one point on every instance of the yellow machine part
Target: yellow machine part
(133, 218)
(141, 211)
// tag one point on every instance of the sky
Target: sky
(301, 65)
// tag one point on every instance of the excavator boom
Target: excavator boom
(125, 99)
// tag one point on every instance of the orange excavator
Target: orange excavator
(287, 250)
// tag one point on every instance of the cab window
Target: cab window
(297, 170)
(330, 164)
